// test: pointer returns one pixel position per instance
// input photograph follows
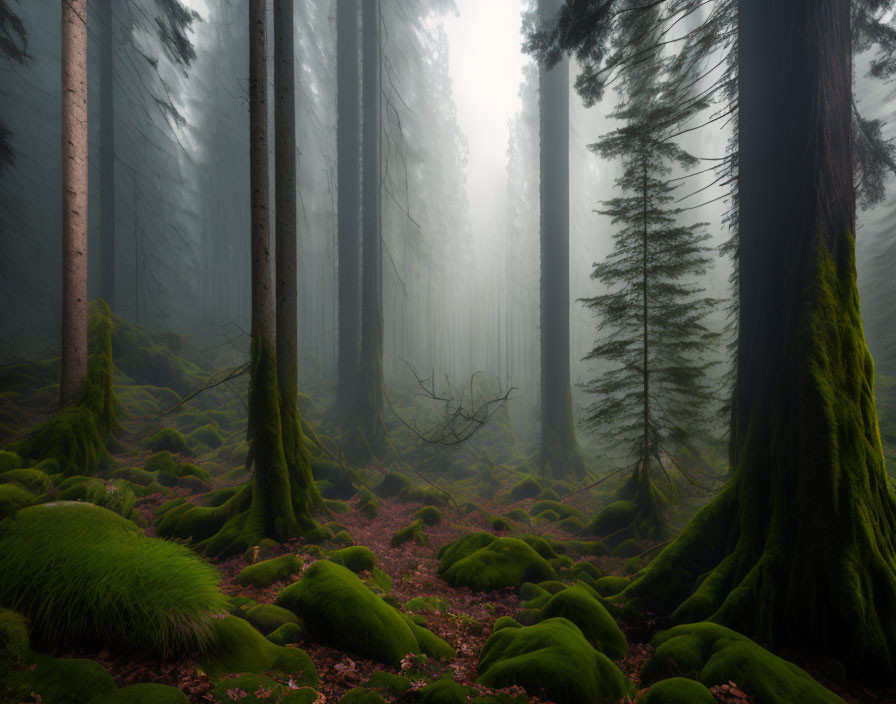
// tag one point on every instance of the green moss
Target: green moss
(343, 537)
(72, 437)
(368, 504)
(396, 685)
(547, 516)
(267, 618)
(357, 558)
(85, 576)
(579, 548)
(552, 660)
(485, 563)
(12, 498)
(220, 497)
(291, 632)
(360, 695)
(549, 494)
(337, 608)
(525, 489)
(582, 607)
(430, 644)
(501, 524)
(394, 485)
(168, 440)
(430, 515)
(264, 574)
(338, 507)
(530, 590)
(236, 647)
(69, 680)
(541, 546)
(612, 519)
(519, 515)
(208, 435)
(239, 605)
(426, 604)
(628, 548)
(610, 585)
(301, 695)
(9, 460)
(633, 565)
(412, 532)
(444, 691)
(135, 475)
(506, 622)
(427, 495)
(678, 690)
(717, 655)
(562, 510)
(115, 495)
(248, 689)
(571, 524)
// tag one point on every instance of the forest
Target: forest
(447, 351)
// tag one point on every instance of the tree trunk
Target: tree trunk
(560, 453)
(370, 387)
(74, 201)
(304, 490)
(348, 101)
(272, 512)
(798, 550)
(107, 154)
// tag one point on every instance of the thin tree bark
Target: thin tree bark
(74, 200)
(304, 491)
(348, 108)
(370, 387)
(107, 154)
(559, 449)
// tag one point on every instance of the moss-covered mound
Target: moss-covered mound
(362, 695)
(612, 519)
(357, 558)
(236, 647)
(9, 460)
(394, 484)
(33, 480)
(444, 691)
(168, 440)
(485, 563)
(267, 618)
(12, 498)
(341, 480)
(430, 515)
(86, 576)
(410, 533)
(368, 504)
(717, 655)
(264, 574)
(678, 690)
(525, 489)
(580, 605)
(337, 608)
(553, 660)
(562, 510)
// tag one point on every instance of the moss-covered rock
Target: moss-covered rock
(678, 690)
(341, 480)
(236, 647)
(562, 510)
(207, 435)
(12, 498)
(264, 574)
(541, 546)
(337, 507)
(368, 504)
(412, 532)
(168, 440)
(501, 524)
(505, 622)
(267, 618)
(485, 563)
(612, 519)
(519, 515)
(571, 524)
(337, 608)
(33, 480)
(425, 604)
(551, 659)
(9, 460)
(610, 585)
(430, 515)
(292, 632)
(444, 691)
(628, 548)
(396, 685)
(357, 558)
(525, 489)
(394, 485)
(361, 695)
(135, 475)
(717, 655)
(547, 516)
(147, 693)
(581, 606)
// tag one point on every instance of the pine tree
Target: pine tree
(652, 317)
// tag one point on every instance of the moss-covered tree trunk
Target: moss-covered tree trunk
(560, 454)
(74, 201)
(348, 107)
(798, 550)
(369, 407)
(298, 459)
(271, 513)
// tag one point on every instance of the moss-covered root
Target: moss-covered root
(716, 655)
(799, 550)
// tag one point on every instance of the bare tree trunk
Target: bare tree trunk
(304, 491)
(107, 154)
(559, 449)
(74, 200)
(348, 100)
(370, 388)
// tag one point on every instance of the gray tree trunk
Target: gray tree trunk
(107, 154)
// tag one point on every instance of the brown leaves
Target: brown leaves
(730, 694)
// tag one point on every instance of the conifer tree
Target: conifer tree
(652, 316)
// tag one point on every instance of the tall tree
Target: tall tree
(369, 405)
(652, 316)
(107, 153)
(298, 460)
(560, 453)
(348, 139)
(74, 200)
(13, 47)
(799, 549)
